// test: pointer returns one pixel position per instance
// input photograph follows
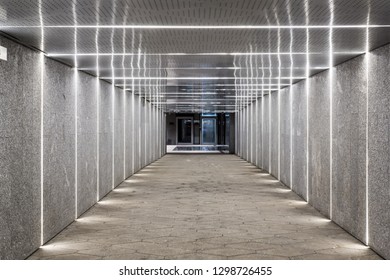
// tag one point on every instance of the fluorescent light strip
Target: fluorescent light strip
(97, 118)
(75, 117)
(42, 58)
(190, 78)
(307, 88)
(42, 100)
(159, 27)
(195, 54)
(202, 86)
(279, 101)
(367, 135)
(331, 111)
(199, 68)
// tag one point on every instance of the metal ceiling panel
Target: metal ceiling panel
(222, 44)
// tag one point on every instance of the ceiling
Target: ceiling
(199, 55)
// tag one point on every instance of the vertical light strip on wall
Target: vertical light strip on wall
(307, 87)
(262, 111)
(139, 111)
(269, 112)
(113, 126)
(76, 131)
(257, 114)
(97, 138)
(291, 93)
(269, 104)
(367, 108)
(42, 58)
(112, 112)
(331, 108)
(76, 80)
(97, 114)
(247, 110)
(252, 119)
(132, 107)
(124, 102)
(279, 101)
(42, 92)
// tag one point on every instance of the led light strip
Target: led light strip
(42, 57)
(196, 54)
(367, 135)
(194, 27)
(331, 111)
(193, 78)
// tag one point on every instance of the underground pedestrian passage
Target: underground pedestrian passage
(194, 129)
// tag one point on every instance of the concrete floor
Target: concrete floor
(203, 207)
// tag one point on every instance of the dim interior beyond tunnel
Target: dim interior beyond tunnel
(203, 206)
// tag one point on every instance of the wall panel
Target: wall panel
(275, 134)
(319, 142)
(299, 139)
(259, 123)
(266, 133)
(20, 142)
(118, 136)
(129, 133)
(105, 139)
(379, 151)
(58, 148)
(285, 136)
(86, 142)
(349, 146)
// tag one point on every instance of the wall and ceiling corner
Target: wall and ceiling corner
(42, 119)
(343, 173)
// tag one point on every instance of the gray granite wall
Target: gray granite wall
(128, 134)
(274, 134)
(349, 146)
(86, 142)
(105, 139)
(299, 139)
(137, 127)
(266, 133)
(246, 148)
(26, 79)
(142, 133)
(20, 142)
(285, 135)
(379, 151)
(59, 149)
(259, 143)
(253, 133)
(319, 142)
(118, 136)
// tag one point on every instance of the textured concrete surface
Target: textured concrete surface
(58, 148)
(203, 207)
(379, 151)
(299, 141)
(275, 134)
(285, 136)
(137, 126)
(266, 133)
(86, 142)
(259, 134)
(128, 134)
(142, 134)
(319, 142)
(118, 136)
(105, 139)
(20, 110)
(252, 114)
(349, 146)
